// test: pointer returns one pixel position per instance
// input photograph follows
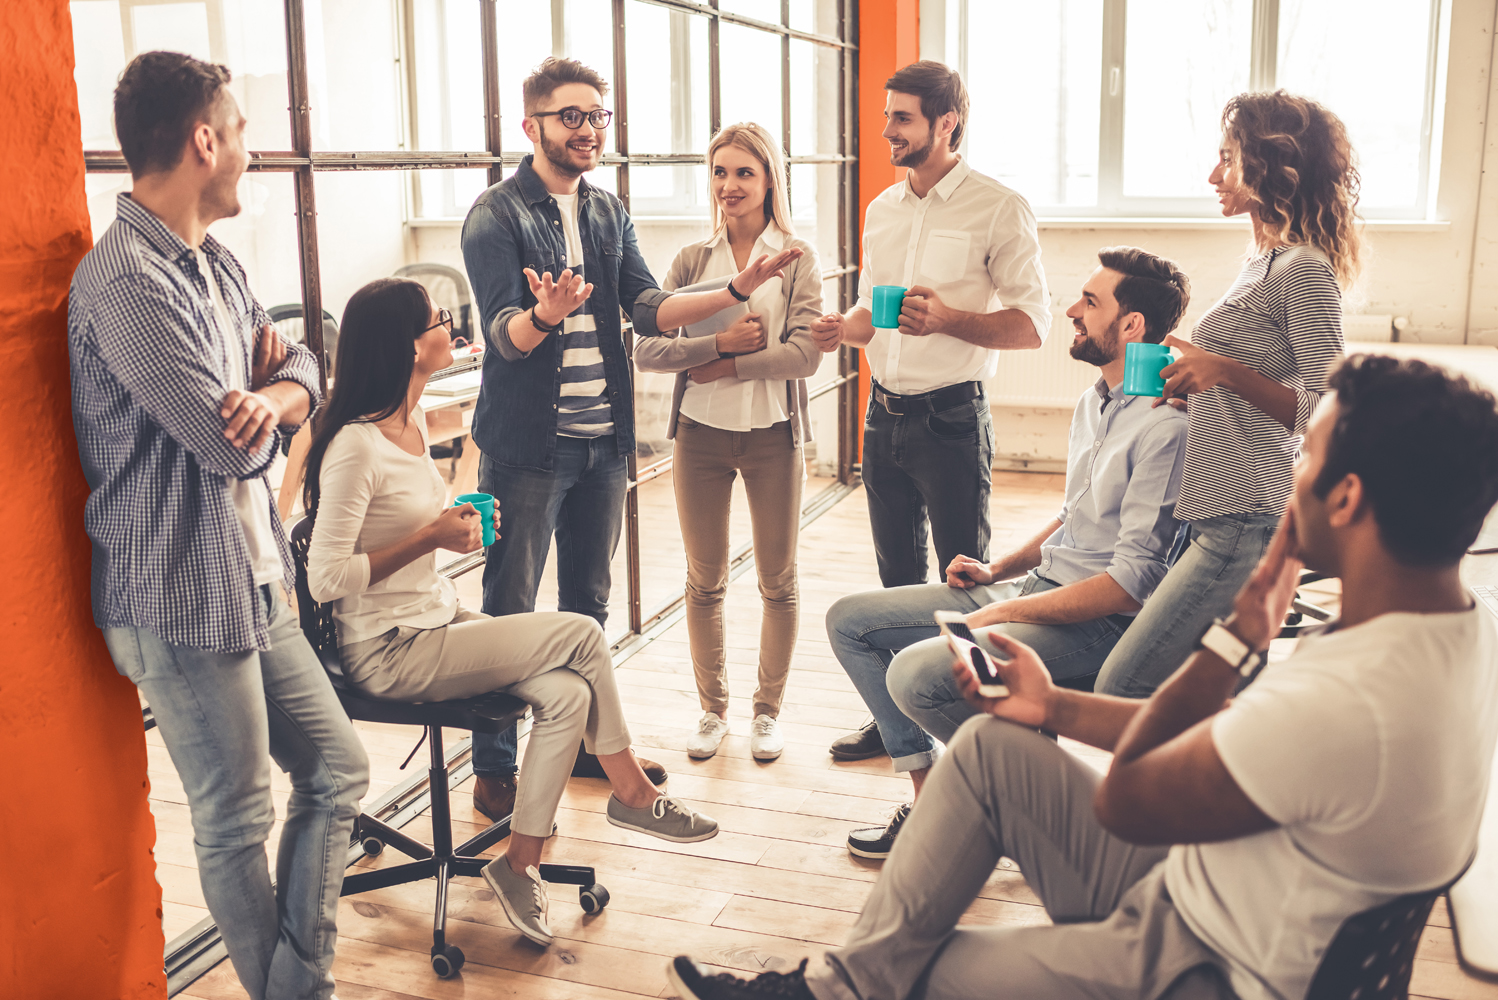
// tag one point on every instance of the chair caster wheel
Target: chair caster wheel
(593, 898)
(447, 962)
(372, 846)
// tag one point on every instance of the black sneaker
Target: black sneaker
(692, 983)
(861, 745)
(877, 841)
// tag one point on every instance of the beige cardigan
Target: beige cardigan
(792, 356)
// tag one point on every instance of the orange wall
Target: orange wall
(889, 36)
(79, 903)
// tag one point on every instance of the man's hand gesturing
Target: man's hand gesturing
(556, 300)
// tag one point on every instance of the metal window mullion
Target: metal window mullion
(1111, 109)
(1264, 47)
(711, 9)
(785, 86)
(1428, 112)
(631, 461)
(714, 70)
(306, 200)
(848, 251)
(489, 52)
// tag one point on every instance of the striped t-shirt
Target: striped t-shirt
(583, 410)
(1282, 318)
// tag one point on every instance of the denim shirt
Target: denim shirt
(517, 224)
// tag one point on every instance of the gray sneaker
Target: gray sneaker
(522, 896)
(666, 818)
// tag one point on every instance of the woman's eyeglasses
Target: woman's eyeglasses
(444, 318)
(573, 117)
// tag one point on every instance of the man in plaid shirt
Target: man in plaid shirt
(180, 405)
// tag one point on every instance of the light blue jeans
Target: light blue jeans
(222, 715)
(876, 634)
(1219, 557)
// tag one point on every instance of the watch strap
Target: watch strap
(1219, 640)
(536, 322)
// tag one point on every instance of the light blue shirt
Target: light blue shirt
(1123, 473)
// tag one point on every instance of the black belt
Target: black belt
(927, 402)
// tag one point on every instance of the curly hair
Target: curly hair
(1300, 170)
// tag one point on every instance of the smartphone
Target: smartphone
(965, 646)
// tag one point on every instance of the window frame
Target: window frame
(1111, 202)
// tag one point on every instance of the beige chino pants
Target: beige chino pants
(558, 663)
(706, 462)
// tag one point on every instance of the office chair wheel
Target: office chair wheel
(447, 962)
(593, 898)
(372, 846)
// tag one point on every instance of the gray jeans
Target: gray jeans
(1006, 791)
(222, 715)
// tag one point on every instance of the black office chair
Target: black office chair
(1373, 954)
(489, 713)
(449, 290)
(287, 320)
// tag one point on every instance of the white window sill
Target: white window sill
(1239, 223)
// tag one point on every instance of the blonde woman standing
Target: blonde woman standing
(740, 408)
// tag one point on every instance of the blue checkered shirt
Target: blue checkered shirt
(150, 370)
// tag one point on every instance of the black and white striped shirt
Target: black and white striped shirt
(1283, 319)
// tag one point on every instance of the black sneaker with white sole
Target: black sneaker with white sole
(877, 841)
(693, 983)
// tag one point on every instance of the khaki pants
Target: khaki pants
(557, 663)
(706, 462)
(1005, 791)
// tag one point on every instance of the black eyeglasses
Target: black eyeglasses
(444, 318)
(573, 117)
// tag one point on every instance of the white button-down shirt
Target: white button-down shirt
(735, 404)
(973, 241)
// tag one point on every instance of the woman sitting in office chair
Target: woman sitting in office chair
(377, 500)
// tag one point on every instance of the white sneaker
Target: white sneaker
(765, 741)
(710, 733)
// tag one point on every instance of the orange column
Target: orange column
(79, 904)
(889, 36)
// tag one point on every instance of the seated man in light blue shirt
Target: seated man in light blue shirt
(1085, 574)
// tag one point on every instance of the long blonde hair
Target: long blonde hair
(1299, 168)
(755, 139)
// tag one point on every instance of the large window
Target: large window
(1112, 107)
(403, 111)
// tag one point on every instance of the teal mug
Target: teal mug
(1142, 365)
(484, 504)
(887, 302)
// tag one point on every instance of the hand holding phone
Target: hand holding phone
(965, 647)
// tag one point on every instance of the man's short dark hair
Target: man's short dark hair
(160, 98)
(940, 89)
(1152, 286)
(1424, 443)
(554, 73)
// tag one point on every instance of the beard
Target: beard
(914, 156)
(560, 156)
(1099, 352)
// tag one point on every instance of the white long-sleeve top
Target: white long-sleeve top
(373, 495)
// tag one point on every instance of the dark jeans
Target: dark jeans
(920, 467)
(582, 500)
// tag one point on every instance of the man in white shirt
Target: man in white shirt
(965, 248)
(1229, 841)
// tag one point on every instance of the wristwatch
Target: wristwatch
(1220, 640)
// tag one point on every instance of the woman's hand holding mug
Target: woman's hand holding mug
(458, 529)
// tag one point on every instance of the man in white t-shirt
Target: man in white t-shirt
(1230, 839)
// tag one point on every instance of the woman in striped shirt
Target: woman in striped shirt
(1254, 370)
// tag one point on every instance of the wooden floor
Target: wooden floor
(777, 885)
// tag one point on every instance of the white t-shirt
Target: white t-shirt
(1370, 747)
(735, 404)
(374, 494)
(252, 500)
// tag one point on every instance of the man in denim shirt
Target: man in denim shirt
(182, 394)
(553, 260)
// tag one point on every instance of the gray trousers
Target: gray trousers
(1005, 791)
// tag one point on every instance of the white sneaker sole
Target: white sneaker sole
(700, 754)
(709, 835)
(767, 754)
(871, 855)
(536, 936)
(682, 993)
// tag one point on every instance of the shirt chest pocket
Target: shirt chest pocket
(945, 257)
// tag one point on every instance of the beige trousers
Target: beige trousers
(705, 464)
(557, 663)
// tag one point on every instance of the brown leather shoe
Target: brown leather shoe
(494, 797)
(861, 745)
(587, 766)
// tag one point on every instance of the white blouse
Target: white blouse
(734, 404)
(373, 495)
